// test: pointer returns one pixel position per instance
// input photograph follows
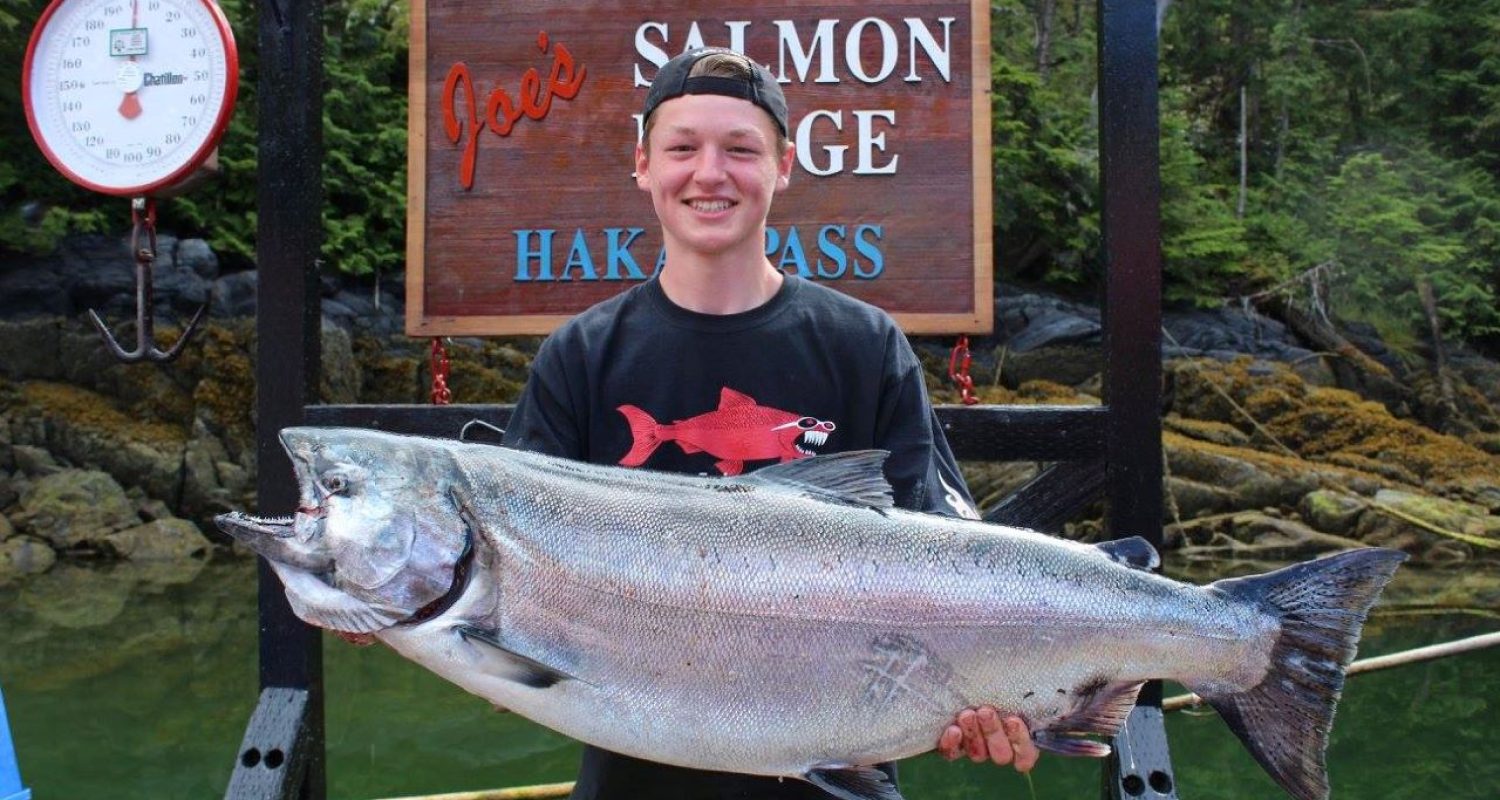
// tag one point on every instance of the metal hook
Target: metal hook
(143, 214)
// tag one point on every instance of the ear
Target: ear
(642, 174)
(784, 167)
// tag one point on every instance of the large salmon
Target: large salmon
(639, 611)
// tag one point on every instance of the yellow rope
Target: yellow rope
(1402, 658)
(544, 791)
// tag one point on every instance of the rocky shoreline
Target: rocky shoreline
(1273, 448)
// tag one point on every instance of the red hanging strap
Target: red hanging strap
(441, 394)
(958, 370)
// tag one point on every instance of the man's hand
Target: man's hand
(985, 736)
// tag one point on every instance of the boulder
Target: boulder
(1192, 499)
(234, 295)
(74, 507)
(196, 255)
(34, 461)
(1254, 534)
(159, 540)
(30, 348)
(1330, 511)
(24, 555)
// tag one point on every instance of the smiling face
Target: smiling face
(712, 164)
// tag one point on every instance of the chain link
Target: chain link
(441, 394)
(958, 370)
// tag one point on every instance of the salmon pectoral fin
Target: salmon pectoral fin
(507, 663)
(1101, 711)
(1285, 719)
(317, 603)
(854, 783)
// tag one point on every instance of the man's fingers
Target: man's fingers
(995, 736)
(948, 743)
(968, 722)
(1019, 738)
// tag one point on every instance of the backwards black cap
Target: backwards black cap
(672, 81)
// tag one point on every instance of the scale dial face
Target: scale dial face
(128, 97)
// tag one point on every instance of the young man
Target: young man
(721, 364)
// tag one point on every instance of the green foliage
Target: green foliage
(1203, 241)
(1045, 146)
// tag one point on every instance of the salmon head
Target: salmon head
(378, 536)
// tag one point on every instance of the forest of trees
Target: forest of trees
(1356, 142)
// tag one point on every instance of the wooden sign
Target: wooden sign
(522, 210)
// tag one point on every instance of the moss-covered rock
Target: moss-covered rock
(1331, 511)
(74, 508)
(24, 555)
(159, 540)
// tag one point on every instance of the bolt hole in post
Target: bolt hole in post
(1161, 782)
(275, 758)
(1133, 785)
(250, 757)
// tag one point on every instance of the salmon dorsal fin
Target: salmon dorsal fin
(729, 398)
(855, 478)
(1132, 551)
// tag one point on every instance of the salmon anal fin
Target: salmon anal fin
(854, 783)
(1067, 744)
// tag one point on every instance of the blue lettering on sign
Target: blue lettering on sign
(619, 254)
(792, 254)
(869, 249)
(579, 258)
(542, 254)
(784, 246)
(835, 252)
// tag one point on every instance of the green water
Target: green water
(135, 683)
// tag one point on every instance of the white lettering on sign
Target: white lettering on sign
(804, 55)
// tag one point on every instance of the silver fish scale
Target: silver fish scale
(729, 624)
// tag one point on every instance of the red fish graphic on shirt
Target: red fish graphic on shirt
(739, 430)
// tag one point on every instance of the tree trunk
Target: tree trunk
(1046, 16)
(1239, 209)
(1439, 355)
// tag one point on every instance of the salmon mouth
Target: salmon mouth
(245, 527)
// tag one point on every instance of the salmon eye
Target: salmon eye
(335, 484)
(807, 423)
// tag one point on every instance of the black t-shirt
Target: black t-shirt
(638, 381)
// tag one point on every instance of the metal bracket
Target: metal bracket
(1140, 768)
(273, 755)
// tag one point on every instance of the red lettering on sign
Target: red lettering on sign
(500, 111)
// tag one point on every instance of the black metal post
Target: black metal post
(1130, 183)
(288, 721)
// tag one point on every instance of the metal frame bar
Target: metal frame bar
(1125, 432)
(288, 321)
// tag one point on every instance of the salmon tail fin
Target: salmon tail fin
(645, 436)
(1285, 719)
